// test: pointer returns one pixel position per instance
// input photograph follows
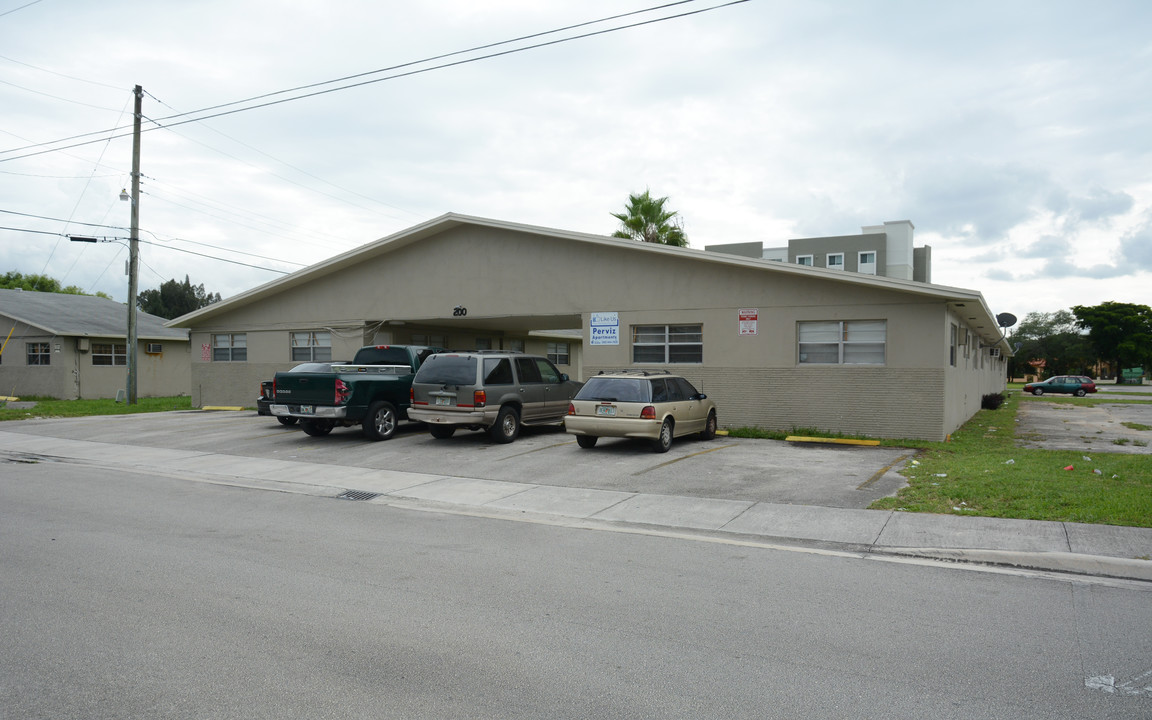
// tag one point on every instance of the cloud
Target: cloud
(1099, 204)
(980, 202)
(1136, 248)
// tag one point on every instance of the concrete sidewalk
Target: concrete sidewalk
(1100, 550)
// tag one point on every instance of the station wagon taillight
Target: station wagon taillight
(571, 409)
(479, 398)
(648, 413)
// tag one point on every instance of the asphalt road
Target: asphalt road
(126, 594)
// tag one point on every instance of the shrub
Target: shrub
(992, 401)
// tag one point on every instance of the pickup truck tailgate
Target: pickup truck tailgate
(305, 388)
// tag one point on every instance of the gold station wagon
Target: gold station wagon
(649, 404)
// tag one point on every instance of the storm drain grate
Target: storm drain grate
(357, 495)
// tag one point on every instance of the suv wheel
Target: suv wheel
(664, 442)
(380, 422)
(507, 425)
(442, 432)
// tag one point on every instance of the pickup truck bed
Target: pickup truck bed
(372, 391)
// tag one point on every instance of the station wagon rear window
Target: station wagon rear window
(615, 390)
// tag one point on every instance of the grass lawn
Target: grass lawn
(981, 471)
(50, 408)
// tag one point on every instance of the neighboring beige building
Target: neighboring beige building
(75, 346)
(777, 345)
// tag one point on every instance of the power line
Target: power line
(159, 242)
(9, 12)
(370, 82)
(61, 220)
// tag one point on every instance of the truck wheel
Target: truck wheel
(283, 420)
(441, 432)
(317, 428)
(507, 425)
(380, 422)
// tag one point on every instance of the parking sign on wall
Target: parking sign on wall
(749, 318)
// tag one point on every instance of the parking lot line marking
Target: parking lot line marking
(670, 462)
(881, 472)
(546, 447)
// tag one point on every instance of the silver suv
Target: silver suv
(497, 391)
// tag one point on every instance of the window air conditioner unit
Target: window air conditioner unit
(154, 348)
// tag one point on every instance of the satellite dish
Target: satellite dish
(1005, 320)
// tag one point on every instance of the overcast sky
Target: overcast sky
(1016, 136)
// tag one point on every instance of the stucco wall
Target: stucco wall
(71, 374)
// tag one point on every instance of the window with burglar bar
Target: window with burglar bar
(842, 342)
(39, 353)
(668, 344)
(108, 354)
(312, 346)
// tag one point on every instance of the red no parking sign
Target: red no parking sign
(749, 317)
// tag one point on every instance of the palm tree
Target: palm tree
(646, 220)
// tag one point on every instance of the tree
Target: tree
(1121, 333)
(645, 219)
(1054, 338)
(173, 299)
(13, 280)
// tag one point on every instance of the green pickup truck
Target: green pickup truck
(371, 391)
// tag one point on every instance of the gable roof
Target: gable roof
(82, 315)
(969, 303)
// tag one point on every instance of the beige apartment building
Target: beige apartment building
(778, 345)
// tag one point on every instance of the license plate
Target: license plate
(305, 410)
(443, 400)
(606, 410)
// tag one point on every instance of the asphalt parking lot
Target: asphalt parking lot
(1100, 429)
(769, 471)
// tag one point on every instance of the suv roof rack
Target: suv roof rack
(634, 371)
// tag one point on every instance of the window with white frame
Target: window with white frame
(866, 262)
(230, 347)
(108, 354)
(804, 260)
(842, 342)
(311, 346)
(558, 353)
(835, 261)
(668, 343)
(39, 353)
(955, 335)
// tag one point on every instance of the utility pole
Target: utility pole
(134, 251)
